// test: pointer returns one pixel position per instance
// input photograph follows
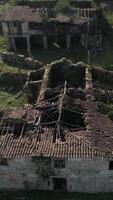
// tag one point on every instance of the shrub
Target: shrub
(105, 108)
(63, 6)
(13, 2)
(110, 115)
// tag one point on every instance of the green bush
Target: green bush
(110, 115)
(105, 108)
(63, 6)
(13, 2)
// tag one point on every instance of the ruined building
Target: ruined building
(43, 27)
(61, 141)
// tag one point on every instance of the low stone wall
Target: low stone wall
(21, 60)
(11, 81)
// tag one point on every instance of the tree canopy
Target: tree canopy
(63, 6)
(13, 2)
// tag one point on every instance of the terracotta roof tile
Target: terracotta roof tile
(21, 13)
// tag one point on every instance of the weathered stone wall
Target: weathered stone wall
(12, 81)
(21, 60)
(89, 176)
(82, 175)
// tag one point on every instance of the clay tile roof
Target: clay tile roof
(27, 113)
(26, 146)
(21, 13)
(99, 131)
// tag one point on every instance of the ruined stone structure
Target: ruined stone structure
(21, 60)
(62, 142)
(41, 27)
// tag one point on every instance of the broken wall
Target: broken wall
(20, 60)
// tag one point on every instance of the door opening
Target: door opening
(60, 184)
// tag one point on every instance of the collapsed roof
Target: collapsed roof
(65, 121)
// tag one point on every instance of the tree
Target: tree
(13, 2)
(63, 6)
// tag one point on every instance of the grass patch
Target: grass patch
(51, 54)
(2, 44)
(76, 54)
(105, 60)
(105, 108)
(12, 100)
(1, 9)
(10, 69)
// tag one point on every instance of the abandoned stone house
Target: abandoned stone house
(41, 27)
(62, 142)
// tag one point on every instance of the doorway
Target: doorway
(59, 184)
(21, 43)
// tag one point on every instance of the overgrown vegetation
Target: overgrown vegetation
(10, 69)
(109, 17)
(12, 100)
(50, 55)
(63, 6)
(2, 43)
(106, 109)
(13, 2)
(1, 9)
(110, 115)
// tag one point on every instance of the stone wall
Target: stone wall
(21, 60)
(88, 176)
(11, 81)
(82, 175)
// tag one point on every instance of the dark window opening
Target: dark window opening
(21, 43)
(59, 163)
(9, 29)
(36, 41)
(1, 115)
(60, 184)
(111, 165)
(15, 24)
(61, 40)
(18, 26)
(19, 128)
(3, 162)
(49, 183)
(75, 40)
(52, 41)
(13, 127)
(34, 26)
(7, 127)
